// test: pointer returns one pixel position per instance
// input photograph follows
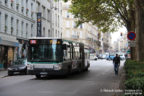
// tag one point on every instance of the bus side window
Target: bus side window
(67, 51)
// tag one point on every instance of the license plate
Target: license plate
(43, 73)
(16, 72)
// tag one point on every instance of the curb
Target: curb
(122, 80)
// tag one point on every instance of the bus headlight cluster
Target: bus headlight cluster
(30, 67)
(57, 67)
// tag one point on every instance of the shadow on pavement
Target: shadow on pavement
(73, 76)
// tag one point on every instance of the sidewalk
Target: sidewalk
(3, 73)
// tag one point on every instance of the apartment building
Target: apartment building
(56, 28)
(17, 23)
(106, 41)
(85, 33)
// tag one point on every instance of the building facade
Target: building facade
(85, 33)
(17, 23)
(106, 41)
(56, 7)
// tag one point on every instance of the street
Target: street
(100, 76)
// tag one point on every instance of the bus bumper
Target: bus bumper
(46, 72)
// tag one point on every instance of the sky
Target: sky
(116, 35)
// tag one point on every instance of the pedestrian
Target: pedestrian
(116, 62)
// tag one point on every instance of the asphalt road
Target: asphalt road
(96, 82)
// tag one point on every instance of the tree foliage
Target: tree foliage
(106, 14)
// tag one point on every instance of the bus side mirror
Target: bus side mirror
(64, 46)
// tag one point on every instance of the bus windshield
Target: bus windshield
(45, 53)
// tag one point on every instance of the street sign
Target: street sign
(131, 35)
(131, 43)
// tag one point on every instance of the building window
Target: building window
(22, 25)
(38, 7)
(0, 21)
(67, 24)
(81, 35)
(17, 6)
(12, 3)
(48, 15)
(43, 32)
(32, 10)
(6, 23)
(27, 9)
(26, 3)
(67, 34)
(22, 4)
(74, 24)
(31, 30)
(6, 2)
(12, 28)
(81, 26)
(58, 21)
(43, 12)
(67, 14)
(17, 27)
(26, 30)
(56, 33)
(49, 34)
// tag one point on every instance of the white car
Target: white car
(93, 57)
(122, 57)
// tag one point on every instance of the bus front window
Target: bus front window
(46, 53)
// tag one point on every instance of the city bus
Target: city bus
(55, 56)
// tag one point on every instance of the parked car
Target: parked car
(103, 56)
(122, 57)
(93, 57)
(110, 57)
(18, 66)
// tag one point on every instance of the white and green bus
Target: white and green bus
(55, 56)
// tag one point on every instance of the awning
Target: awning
(9, 43)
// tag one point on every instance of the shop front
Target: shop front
(7, 53)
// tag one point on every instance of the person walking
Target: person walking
(116, 62)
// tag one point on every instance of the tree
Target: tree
(139, 28)
(106, 14)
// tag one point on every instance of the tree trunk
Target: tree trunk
(140, 28)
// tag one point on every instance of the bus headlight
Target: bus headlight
(57, 67)
(30, 67)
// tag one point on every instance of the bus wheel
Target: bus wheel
(86, 69)
(38, 76)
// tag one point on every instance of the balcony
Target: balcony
(75, 36)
